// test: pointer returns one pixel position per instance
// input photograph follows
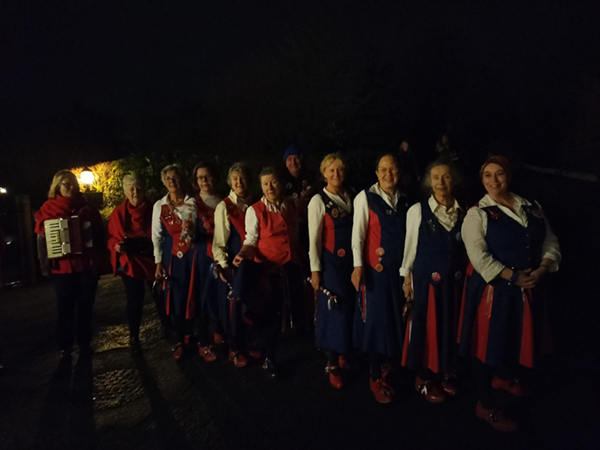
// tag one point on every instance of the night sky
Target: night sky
(91, 80)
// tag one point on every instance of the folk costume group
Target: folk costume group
(417, 286)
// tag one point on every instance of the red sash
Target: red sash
(237, 217)
(207, 215)
(173, 224)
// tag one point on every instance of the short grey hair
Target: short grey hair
(176, 167)
(133, 179)
(241, 167)
(457, 178)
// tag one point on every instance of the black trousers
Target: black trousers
(135, 290)
(75, 295)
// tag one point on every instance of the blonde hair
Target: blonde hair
(328, 160)
(133, 179)
(58, 178)
(176, 167)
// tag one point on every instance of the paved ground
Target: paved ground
(115, 401)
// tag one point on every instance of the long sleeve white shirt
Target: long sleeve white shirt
(361, 219)
(223, 229)
(251, 221)
(316, 215)
(185, 212)
(447, 218)
(474, 230)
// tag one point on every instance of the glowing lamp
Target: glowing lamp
(87, 176)
(3, 190)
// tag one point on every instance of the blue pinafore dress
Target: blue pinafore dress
(502, 324)
(378, 326)
(334, 319)
(438, 276)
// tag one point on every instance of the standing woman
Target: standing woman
(75, 276)
(330, 234)
(131, 250)
(230, 233)
(173, 219)
(433, 267)
(377, 247)
(271, 241)
(204, 179)
(511, 248)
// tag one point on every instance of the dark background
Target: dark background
(82, 82)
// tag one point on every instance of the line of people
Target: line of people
(417, 286)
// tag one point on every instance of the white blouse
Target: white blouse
(316, 214)
(474, 230)
(223, 228)
(361, 219)
(447, 218)
(187, 211)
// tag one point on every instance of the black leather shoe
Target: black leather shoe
(271, 368)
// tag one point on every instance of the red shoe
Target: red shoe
(255, 354)
(335, 376)
(496, 418)
(386, 370)
(218, 339)
(347, 365)
(432, 392)
(515, 387)
(238, 359)
(178, 351)
(207, 354)
(449, 384)
(383, 393)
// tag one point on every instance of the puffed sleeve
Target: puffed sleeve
(359, 227)
(221, 234)
(413, 222)
(473, 234)
(550, 247)
(316, 214)
(252, 231)
(158, 237)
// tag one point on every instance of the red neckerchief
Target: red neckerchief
(58, 207)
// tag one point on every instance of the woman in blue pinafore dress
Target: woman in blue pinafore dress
(330, 236)
(503, 321)
(377, 247)
(204, 178)
(433, 267)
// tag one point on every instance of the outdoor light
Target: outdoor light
(87, 176)
(3, 190)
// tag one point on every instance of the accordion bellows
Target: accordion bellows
(67, 236)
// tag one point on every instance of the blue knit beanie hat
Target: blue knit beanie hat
(291, 150)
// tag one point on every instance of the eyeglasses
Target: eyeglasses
(173, 179)
(205, 178)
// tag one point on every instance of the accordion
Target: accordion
(67, 236)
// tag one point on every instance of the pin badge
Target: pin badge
(379, 268)
(458, 275)
(435, 276)
(180, 254)
(341, 252)
(380, 251)
(335, 212)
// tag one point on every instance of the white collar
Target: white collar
(487, 201)
(434, 205)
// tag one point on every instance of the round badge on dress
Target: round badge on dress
(180, 254)
(335, 212)
(435, 276)
(288, 186)
(380, 251)
(341, 252)
(458, 275)
(379, 268)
